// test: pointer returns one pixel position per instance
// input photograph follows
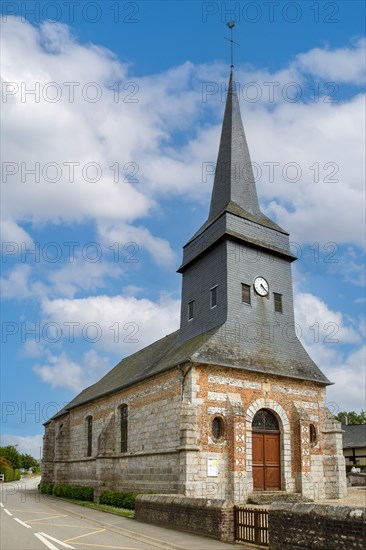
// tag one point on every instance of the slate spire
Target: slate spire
(234, 179)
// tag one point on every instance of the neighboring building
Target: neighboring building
(229, 403)
(354, 445)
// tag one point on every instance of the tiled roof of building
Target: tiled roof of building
(168, 352)
(354, 436)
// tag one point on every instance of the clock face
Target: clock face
(261, 286)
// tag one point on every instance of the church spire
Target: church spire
(234, 180)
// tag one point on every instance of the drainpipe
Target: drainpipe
(184, 374)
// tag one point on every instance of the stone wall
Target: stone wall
(152, 461)
(309, 526)
(212, 518)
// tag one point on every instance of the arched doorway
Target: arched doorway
(266, 452)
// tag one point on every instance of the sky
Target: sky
(111, 118)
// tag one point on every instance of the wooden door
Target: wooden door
(266, 461)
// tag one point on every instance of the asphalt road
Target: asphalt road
(31, 521)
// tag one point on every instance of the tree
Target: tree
(27, 461)
(11, 453)
(352, 417)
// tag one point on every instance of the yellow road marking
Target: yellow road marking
(86, 535)
(48, 517)
(63, 525)
(106, 546)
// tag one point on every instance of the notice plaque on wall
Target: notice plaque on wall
(212, 467)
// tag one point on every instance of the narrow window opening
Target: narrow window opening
(123, 411)
(213, 297)
(277, 302)
(190, 310)
(89, 429)
(313, 435)
(245, 294)
(218, 428)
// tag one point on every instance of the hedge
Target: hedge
(46, 488)
(119, 500)
(75, 492)
(9, 473)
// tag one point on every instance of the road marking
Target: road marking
(107, 546)
(48, 517)
(46, 542)
(2, 505)
(30, 511)
(56, 540)
(7, 512)
(85, 535)
(22, 523)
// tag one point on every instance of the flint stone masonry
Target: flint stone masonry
(310, 526)
(212, 518)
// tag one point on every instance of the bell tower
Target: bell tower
(237, 283)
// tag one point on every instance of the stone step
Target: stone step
(267, 497)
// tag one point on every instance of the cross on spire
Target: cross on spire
(231, 26)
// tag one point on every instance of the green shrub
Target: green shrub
(9, 473)
(46, 488)
(119, 500)
(76, 492)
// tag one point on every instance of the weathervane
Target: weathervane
(231, 26)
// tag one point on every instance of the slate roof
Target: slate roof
(234, 183)
(168, 352)
(354, 436)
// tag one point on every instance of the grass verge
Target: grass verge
(102, 507)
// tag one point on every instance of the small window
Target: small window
(245, 294)
(213, 297)
(190, 310)
(123, 411)
(277, 302)
(218, 428)
(89, 434)
(313, 435)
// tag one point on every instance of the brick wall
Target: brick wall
(309, 526)
(212, 518)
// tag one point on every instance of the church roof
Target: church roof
(168, 353)
(234, 183)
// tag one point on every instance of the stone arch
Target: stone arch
(288, 482)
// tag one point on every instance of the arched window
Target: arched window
(313, 435)
(123, 418)
(218, 427)
(89, 436)
(265, 420)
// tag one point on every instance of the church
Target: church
(231, 403)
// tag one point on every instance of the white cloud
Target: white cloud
(61, 371)
(345, 64)
(329, 326)
(119, 324)
(15, 283)
(131, 239)
(324, 333)
(82, 275)
(12, 237)
(27, 444)
(326, 135)
(349, 376)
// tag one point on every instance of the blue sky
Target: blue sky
(106, 173)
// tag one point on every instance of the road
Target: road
(32, 521)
